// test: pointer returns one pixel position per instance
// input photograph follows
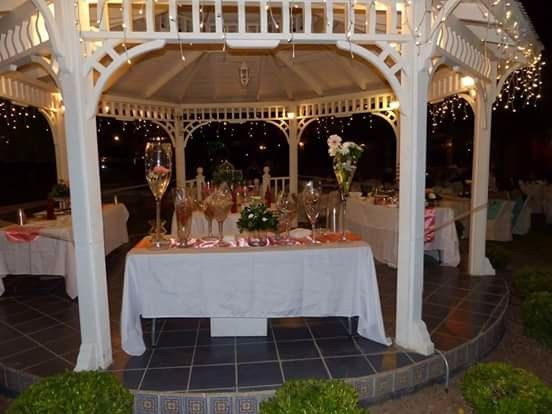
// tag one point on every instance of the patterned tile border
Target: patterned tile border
(371, 389)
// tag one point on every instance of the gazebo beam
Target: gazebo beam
(171, 74)
(184, 86)
(259, 79)
(283, 80)
(305, 76)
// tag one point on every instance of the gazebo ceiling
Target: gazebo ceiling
(213, 75)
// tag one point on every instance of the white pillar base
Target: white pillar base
(485, 268)
(88, 359)
(417, 339)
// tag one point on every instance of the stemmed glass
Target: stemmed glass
(184, 208)
(207, 207)
(287, 207)
(311, 203)
(158, 165)
(221, 202)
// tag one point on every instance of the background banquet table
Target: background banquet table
(200, 226)
(52, 251)
(379, 227)
(336, 279)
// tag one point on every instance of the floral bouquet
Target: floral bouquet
(257, 220)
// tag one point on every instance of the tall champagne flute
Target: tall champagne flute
(158, 165)
(222, 203)
(287, 207)
(311, 203)
(208, 210)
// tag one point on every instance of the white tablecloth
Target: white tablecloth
(324, 280)
(53, 253)
(200, 227)
(379, 227)
(535, 194)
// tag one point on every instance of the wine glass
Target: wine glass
(311, 203)
(221, 203)
(158, 165)
(287, 207)
(183, 208)
(208, 210)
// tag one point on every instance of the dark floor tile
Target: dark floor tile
(370, 347)
(50, 367)
(302, 369)
(214, 355)
(123, 361)
(337, 347)
(215, 376)
(254, 339)
(256, 352)
(33, 356)
(66, 315)
(180, 324)
(205, 338)
(178, 338)
(417, 357)
(445, 342)
(267, 373)
(38, 324)
(22, 317)
(53, 333)
(286, 334)
(65, 345)
(431, 322)
(14, 346)
(388, 361)
(287, 322)
(9, 306)
(7, 333)
(347, 367)
(297, 350)
(171, 357)
(130, 379)
(437, 311)
(463, 330)
(166, 379)
(444, 300)
(485, 297)
(329, 329)
(476, 307)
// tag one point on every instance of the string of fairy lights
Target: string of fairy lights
(15, 118)
(451, 109)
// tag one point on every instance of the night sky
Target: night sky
(521, 142)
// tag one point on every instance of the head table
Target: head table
(45, 247)
(242, 283)
(379, 226)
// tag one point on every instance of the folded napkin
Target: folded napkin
(300, 233)
(22, 234)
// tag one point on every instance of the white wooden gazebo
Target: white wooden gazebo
(184, 63)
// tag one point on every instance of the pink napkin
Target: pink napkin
(21, 234)
(429, 225)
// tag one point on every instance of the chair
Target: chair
(499, 220)
(521, 216)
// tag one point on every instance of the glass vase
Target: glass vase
(344, 171)
(257, 238)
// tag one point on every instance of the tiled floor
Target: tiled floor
(39, 334)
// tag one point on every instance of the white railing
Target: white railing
(276, 184)
(21, 32)
(347, 105)
(27, 94)
(124, 108)
(238, 20)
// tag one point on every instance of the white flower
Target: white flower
(251, 216)
(334, 141)
(345, 148)
(264, 219)
(332, 151)
(431, 196)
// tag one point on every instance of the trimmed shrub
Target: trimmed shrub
(497, 388)
(499, 256)
(533, 279)
(76, 393)
(536, 313)
(313, 396)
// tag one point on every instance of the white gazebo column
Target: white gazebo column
(411, 331)
(293, 142)
(57, 126)
(180, 155)
(82, 149)
(478, 264)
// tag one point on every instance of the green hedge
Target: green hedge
(313, 397)
(533, 279)
(499, 255)
(496, 388)
(536, 313)
(74, 393)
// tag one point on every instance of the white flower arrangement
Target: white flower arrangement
(345, 151)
